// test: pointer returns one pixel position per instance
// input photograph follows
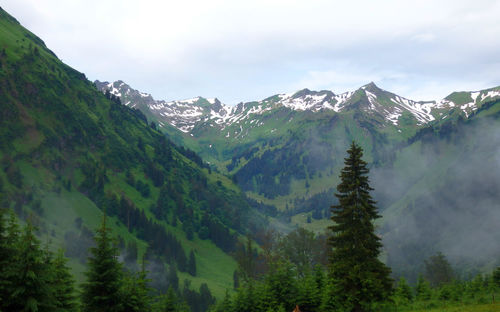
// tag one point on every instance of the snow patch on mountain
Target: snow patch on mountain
(341, 99)
(113, 90)
(421, 110)
(490, 94)
(306, 102)
(372, 98)
(185, 115)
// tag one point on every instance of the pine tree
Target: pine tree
(281, 286)
(63, 284)
(423, 289)
(496, 276)
(192, 264)
(225, 305)
(403, 291)
(31, 287)
(9, 242)
(438, 270)
(172, 277)
(359, 277)
(135, 290)
(101, 291)
(168, 302)
(309, 296)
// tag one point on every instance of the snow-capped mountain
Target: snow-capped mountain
(389, 108)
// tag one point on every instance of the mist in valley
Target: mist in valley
(442, 195)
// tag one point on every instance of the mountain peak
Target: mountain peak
(372, 87)
(378, 103)
(302, 93)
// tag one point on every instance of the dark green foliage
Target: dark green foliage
(162, 242)
(172, 278)
(304, 249)
(219, 233)
(131, 252)
(280, 287)
(9, 240)
(31, 287)
(265, 170)
(225, 305)
(192, 264)
(423, 289)
(143, 188)
(359, 277)
(403, 291)
(129, 178)
(135, 291)
(236, 279)
(205, 299)
(14, 175)
(102, 290)
(438, 270)
(246, 261)
(31, 279)
(197, 301)
(277, 284)
(170, 302)
(309, 294)
(496, 276)
(62, 283)
(269, 210)
(193, 156)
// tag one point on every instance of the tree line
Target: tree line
(34, 278)
(290, 271)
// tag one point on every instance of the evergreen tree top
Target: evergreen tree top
(358, 276)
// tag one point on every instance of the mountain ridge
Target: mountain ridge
(185, 115)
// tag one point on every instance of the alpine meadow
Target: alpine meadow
(313, 201)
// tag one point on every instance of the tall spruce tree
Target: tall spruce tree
(9, 257)
(102, 290)
(31, 288)
(359, 278)
(62, 284)
(135, 290)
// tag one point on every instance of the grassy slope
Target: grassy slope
(491, 307)
(39, 89)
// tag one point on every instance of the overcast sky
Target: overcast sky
(248, 50)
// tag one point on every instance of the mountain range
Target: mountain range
(427, 159)
(184, 181)
(192, 114)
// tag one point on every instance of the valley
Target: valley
(285, 152)
(228, 208)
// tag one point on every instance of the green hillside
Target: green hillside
(439, 194)
(68, 153)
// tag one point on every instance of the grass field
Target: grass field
(492, 307)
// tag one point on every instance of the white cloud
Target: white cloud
(425, 37)
(241, 50)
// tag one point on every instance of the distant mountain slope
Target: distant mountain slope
(434, 163)
(284, 147)
(68, 153)
(186, 115)
(440, 194)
